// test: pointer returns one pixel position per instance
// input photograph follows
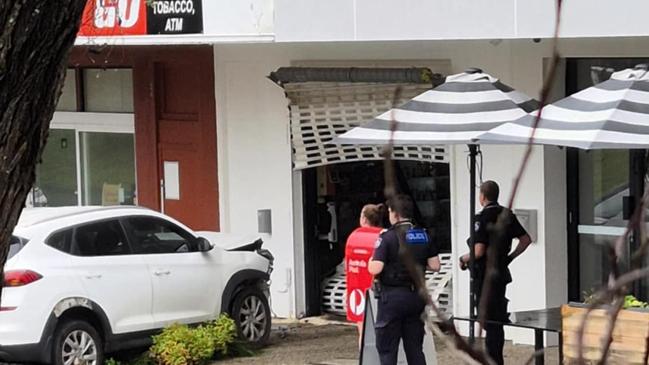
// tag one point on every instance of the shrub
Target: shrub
(181, 345)
(223, 332)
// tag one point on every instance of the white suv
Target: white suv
(84, 281)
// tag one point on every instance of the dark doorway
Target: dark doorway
(333, 197)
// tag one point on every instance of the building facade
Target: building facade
(216, 143)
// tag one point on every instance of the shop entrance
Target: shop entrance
(333, 197)
(604, 187)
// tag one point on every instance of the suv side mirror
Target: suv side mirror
(204, 245)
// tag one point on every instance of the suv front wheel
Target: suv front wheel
(77, 343)
(251, 313)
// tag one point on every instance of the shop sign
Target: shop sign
(175, 16)
(141, 17)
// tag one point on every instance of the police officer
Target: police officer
(495, 244)
(400, 306)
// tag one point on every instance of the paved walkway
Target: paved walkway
(327, 341)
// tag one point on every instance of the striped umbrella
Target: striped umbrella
(458, 111)
(611, 114)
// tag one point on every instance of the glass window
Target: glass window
(107, 168)
(603, 182)
(108, 90)
(68, 99)
(104, 238)
(15, 245)
(152, 235)
(61, 240)
(56, 175)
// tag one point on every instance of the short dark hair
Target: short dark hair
(490, 190)
(402, 205)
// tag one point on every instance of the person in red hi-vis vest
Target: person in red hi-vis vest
(358, 251)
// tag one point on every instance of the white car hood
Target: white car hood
(228, 241)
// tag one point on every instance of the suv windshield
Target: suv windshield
(15, 245)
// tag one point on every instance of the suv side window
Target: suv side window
(61, 240)
(151, 235)
(105, 238)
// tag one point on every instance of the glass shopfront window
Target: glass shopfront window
(56, 175)
(603, 186)
(89, 158)
(107, 168)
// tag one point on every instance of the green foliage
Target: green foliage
(629, 300)
(223, 332)
(589, 296)
(181, 345)
(112, 361)
(632, 302)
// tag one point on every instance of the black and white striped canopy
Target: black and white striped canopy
(611, 114)
(464, 107)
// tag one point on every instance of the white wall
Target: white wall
(238, 18)
(254, 161)
(254, 151)
(314, 20)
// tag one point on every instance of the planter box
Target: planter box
(629, 336)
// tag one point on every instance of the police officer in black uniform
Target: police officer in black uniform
(399, 305)
(494, 244)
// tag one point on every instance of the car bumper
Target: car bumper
(15, 346)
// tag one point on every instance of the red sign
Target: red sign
(114, 18)
(358, 251)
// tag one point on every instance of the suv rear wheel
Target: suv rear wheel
(251, 313)
(77, 343)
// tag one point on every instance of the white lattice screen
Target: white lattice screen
(320, 111)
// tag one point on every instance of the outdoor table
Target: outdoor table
(539, 320)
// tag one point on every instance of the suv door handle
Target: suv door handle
(161, 272)
(93, 276)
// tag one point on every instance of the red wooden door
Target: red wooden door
(186, 141)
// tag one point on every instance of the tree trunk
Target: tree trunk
(35, 39)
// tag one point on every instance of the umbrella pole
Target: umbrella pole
(473, 151)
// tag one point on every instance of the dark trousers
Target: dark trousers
(399, 318)
(496, 311)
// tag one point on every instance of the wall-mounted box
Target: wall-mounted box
(528, 219)
(264, 221)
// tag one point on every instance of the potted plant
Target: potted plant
(629, 340)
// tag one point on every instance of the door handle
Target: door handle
(93, 276)
(161, 272)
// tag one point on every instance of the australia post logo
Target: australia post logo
(114, 17)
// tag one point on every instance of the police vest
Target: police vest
(416, 241)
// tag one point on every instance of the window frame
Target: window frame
(16, 240)
(74, 228)
(128, 228)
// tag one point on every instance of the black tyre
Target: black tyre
(251, 314)
(77, 343)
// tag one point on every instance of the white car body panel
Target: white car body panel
(126, 287)
(121, 286)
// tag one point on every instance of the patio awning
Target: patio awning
(611, 114)
(456, 112)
